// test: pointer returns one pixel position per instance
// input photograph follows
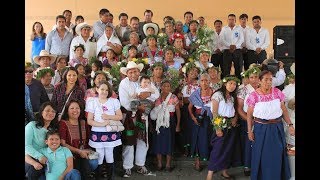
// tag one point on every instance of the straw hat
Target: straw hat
(82, 25)
(44, 53)
(153, 25)
(131, 65)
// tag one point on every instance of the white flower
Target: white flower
(210, 65)
(224, 80)
(114, 79)
(224, 120)
(198, 41)
(184, 69)
(92, 74)
(118, 63)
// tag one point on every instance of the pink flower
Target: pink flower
(94, 137)
(114, 136)
(104, 108)
(104, 138)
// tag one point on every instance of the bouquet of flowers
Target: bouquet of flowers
(162, 40)
(144, 61)
(204, 35)
(173, 76)
(220, 122)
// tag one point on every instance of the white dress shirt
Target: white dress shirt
(256, 40)
(217, 44)
(232, 37)
(127, 92)
(279, 78)
(244, 31)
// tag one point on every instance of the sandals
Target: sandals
(227, 177)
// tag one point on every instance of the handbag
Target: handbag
(64, 106)
(93, 154)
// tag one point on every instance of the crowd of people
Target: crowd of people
(90, 89)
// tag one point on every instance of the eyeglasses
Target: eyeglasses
(28, 71)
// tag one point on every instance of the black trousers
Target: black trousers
(246, 63)
(228, 58)
(253, 57)
(216, 60)
(32, 173)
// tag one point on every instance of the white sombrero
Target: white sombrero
(44, 53)
(131, 65)
(153, 25)
(82, 25)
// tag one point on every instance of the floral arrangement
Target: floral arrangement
(231, 78)
(144, 61)
(116, 74)
(204, 35)
(41, 73)
(220, 122)
(162, 40)
(173, 76)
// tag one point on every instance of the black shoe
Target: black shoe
(247, 172)
(110, 171)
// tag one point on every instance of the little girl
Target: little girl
(95, 66)
(81, 77)
(110, 57)
(100, 110)
(79, 59)
(223, 140)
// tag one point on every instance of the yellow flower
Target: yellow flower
(134, 59)
(191, 59)
(145, 60)
(217, 121)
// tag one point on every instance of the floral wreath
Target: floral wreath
(152, 36)
(231, 78)
(254, 70)
(203, 48)
(176, 36)
(27, 64)
(79, 45)
(188, 66)
(41, 73)
(156, 64)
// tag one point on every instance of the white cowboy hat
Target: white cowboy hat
(153, 25)
(44, 53)
(131, 65)
(82, 25)
(293, 68)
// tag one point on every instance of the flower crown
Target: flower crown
(176, 36)
(186, 68)
(231, 78)
(203, 48)
(156, 64)
(27, 64)
(254, 70)
(41, 73)
(79, 45)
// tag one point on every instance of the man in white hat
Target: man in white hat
(83, 30)
(44, 60)
(135, 132)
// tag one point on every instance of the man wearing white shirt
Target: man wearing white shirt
(83, 30)
(216, 58)
(121, 28)
(136, 128)
(257, 42)
(232, 39)
(243, 18)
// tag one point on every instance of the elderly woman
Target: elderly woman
(152, 52)
(68, 89)
(74, 134)
(191, 84)
(169, 29)
(191, 37)
(35, 134)
(167, 123)
(79, 50)
(134, 40)
(253, 75)
(266, 105)
(223, 139)
(214, 74)
(108, 40)
(200, 113)
(45, 77)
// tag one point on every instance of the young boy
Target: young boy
(59, 159)
(145, 86)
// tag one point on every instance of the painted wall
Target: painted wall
(272, 12)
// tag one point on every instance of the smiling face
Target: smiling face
(48, 113)
(231, 85)
(53, 141)
(103, 91)
(72, 77)
(74, 110)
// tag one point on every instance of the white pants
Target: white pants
(105, 152)
(128, 154)
(292, 166)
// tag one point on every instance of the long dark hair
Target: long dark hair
(233, 94)
(65, 115)
(43, 34)
(64, 76)
(39, 119)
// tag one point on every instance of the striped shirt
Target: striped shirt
(57, 46)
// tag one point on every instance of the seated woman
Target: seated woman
(35, 134)
(61, 63)
(168, 58)
(180, 55)
(149, 29)
(203, 62)
(134, 40)
(79, 50)
(152, 52)
(108, 41)
(74, 134)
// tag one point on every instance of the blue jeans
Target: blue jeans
(93, 163)
(73, 175)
